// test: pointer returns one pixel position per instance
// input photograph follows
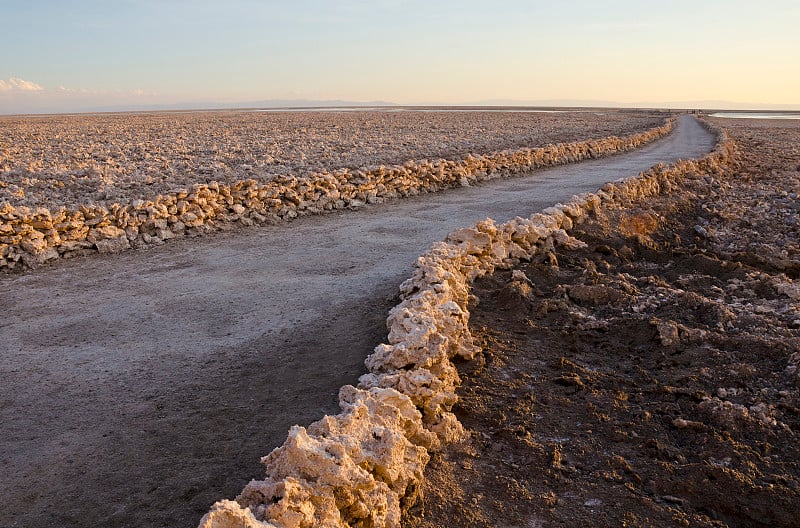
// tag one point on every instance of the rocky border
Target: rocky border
(364, 466)
(31, 237)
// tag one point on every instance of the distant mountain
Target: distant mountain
(310, 103)
(547, 103)
(266, 104)
(38, 108)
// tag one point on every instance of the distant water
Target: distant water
(320, 109)
(389, 109)
(755, 115)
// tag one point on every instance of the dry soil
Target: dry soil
(650, 379)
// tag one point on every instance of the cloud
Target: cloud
(15, 84)
(18, 96)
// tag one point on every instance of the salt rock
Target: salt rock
(668, 333)
(431, 390)
(345, 470)
(401, 356)
(733, 416)
(561, 238)
(386, 402)
(417, 320)
(34, 243)
(524, 232)
(34, 260)
(288, 503)
(573, 210)
(473, 240)
(594, 294)
(544, 221)
(517, 252)
(113, 245)
(588, 202)
(327, 465)
(229, 514)
(106, 232)
(561, 219)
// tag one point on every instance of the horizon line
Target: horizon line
(322, 104)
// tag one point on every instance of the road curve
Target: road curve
(139, 388)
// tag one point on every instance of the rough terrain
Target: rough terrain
(649, 379)
(32, 236)
(107, 423)
(77, 160)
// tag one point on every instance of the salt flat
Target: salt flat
(71, 160)
(142, 387)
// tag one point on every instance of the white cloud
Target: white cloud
(15, 84)
(18, 96)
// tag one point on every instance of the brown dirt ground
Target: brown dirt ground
(650, 379)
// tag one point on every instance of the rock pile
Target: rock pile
(32, 236)
(362, 467)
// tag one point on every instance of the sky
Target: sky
(81, 55)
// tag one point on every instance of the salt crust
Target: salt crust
(364, 466)
(30, 237)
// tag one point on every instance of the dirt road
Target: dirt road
(139, 388)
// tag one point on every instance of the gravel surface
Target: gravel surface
(101, 159)
(650, 379)
(144, 386)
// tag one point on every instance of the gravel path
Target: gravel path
(139, 388)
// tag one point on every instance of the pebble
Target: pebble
(702, 231)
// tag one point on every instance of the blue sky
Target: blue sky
(70, 55)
